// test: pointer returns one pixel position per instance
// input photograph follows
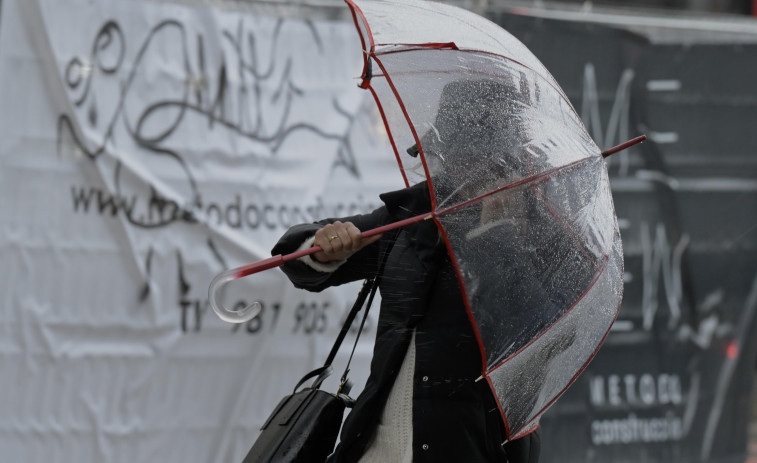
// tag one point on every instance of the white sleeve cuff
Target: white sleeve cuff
(327, 267)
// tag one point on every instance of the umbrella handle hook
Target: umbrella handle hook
(215, 290)
(229, 315)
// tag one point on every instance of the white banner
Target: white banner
(145, 147)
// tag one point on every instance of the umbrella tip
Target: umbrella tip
(624, 145)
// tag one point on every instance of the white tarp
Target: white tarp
(145, 147)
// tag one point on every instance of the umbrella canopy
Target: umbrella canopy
(520, 192)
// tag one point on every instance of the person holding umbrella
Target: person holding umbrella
(493, 308)
(423, 400)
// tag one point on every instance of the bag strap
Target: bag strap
(327, 369)
(321, 373)
(344, 382)
(369, 288)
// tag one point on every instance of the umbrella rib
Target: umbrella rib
(405, 113)
(531, 179)
(588, 360)
(389, 134)
(606, 260)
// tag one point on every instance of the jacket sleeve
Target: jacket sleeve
(361, 265)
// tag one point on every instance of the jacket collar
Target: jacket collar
(407, 202)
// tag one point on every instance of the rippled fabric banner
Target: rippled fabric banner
(145, 147)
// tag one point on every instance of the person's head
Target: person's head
(476, 136)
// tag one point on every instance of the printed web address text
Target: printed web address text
(155, 211)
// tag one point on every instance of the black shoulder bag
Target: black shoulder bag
(304, 426)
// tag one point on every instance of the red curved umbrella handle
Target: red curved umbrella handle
(227, 276)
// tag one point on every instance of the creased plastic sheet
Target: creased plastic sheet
(144, 147)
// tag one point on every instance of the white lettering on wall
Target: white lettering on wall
(661, 260)
(617, 125)
(634, 429)
(631, 389)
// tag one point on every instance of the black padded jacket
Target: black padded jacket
(455, 418)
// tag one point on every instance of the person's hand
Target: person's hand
(339, 241)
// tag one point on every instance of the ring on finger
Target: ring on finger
(332, 238)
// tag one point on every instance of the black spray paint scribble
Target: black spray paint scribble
(206, 93)
(151, 128)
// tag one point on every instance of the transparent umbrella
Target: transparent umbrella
(519, 192)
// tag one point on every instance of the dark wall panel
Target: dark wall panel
(673, 383)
